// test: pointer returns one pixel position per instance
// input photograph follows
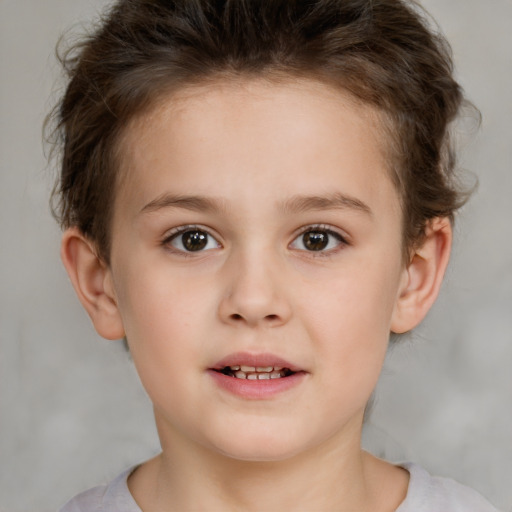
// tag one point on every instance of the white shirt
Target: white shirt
(425, 494)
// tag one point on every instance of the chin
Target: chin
(260, 446)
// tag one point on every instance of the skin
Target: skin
(253, 151)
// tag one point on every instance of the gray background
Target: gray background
(72, 412)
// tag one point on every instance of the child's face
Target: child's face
(257, 224)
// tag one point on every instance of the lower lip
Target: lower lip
(256, 389)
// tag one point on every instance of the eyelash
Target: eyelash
(322, 228)
(177, 232)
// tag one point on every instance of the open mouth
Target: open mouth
(261, 376)
(256, 372)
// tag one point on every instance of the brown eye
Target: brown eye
(315, 240)
(318, 240)
(192, 240)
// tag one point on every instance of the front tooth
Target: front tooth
(275, 375)
(264, 376)
(241, 375)
(252, 376)
(248, 368)
(264, 368)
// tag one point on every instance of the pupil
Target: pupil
(194, 240)
(315, 240)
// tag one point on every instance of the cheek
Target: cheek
(351, 324)
(152, 298)
(357, 301)
(164, 318)
(165, 339)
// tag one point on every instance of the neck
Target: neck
(334, 476)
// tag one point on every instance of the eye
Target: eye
(191, 239)
(318, 239)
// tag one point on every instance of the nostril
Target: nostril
(238, 317)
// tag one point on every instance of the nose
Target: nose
(254, 294)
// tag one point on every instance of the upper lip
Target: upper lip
(255, 360)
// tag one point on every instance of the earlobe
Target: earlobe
(92, 281)
(423, 276)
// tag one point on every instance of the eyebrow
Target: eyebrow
(335, 201)
(294, 205)
(194, 203)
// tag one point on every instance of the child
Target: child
(255, 194)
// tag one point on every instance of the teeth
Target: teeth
(256, 372)
(259, 376)
(252, 369)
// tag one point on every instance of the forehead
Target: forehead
(242, 138)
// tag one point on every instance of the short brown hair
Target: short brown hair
(383, 52)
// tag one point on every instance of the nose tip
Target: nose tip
(239, 310)
(254, 297)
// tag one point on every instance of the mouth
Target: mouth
(246, 366)
(256, 376)
(256, 372)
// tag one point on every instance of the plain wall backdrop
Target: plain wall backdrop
(72, 412)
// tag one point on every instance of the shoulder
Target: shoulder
(427, 493)
(113, 497)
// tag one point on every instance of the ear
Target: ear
(92, 279)
(423, 276)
